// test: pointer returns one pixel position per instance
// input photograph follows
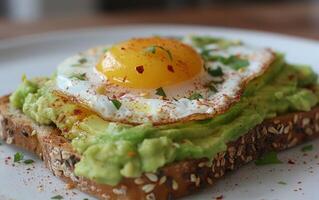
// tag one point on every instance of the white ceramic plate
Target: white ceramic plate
(38, 55)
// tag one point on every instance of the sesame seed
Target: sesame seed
(138, 181)
(162, 180)
(201, 164)
(152, 177)
(273, 130)
(209, 181)
(148, 188)
(281, 129)
(150, 196)
(305, 121)
(293, 142)
(174, 185)
(193, 178)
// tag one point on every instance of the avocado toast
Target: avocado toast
(115, 160)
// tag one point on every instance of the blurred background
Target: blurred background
(21, 17)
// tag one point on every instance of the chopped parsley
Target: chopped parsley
(83, 60)
(268, 158)
(116, 103)
(201, 41)
(236, 62)
(232, 61)
(81, 77)
(215, 72)
(282, 183)
(195, 96)
(28, 161)
(18, 157)
(160, 92)
(307, 148)
(152, 49)
(59, 197)
(80, 62)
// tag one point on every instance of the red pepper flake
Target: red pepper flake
(122, 48)
(220, 197)
(77, 112)
(291, 162)
(140, 69)
(170, 68)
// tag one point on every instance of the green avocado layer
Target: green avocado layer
(111, 151)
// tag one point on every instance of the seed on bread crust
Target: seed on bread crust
(152, 177)
(305, 122)
(174, 185)
(138, 181)
(150, 196)
(162, 180)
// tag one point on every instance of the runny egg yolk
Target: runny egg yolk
(146, 63)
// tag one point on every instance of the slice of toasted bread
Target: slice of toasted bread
(170, 182)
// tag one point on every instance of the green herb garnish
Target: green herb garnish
(28, 161)
(268, 158)
(215, 72)
(232, 61)
(59, 197)
(81, 77)
(18, 157)
(236, 62)
(160, 92)
(152, 49)
(81, 61)
(195, 96)
(201, 41)
(116, 103)
(307, 148)
(282, 183)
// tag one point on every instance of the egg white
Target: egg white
(142, 106)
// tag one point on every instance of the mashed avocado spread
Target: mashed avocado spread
(111, 150)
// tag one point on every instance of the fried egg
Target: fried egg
(160, 80)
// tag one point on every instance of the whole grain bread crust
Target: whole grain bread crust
(170, 182)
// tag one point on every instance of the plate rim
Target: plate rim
(59, 34)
